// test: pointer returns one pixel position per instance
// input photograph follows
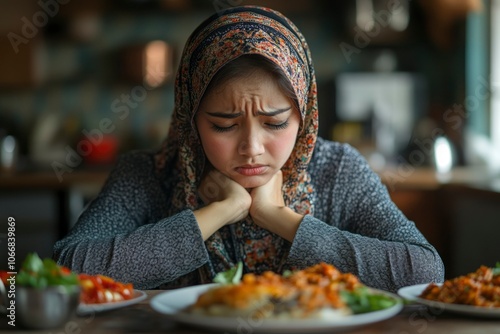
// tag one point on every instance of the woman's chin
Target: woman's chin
(250, 182)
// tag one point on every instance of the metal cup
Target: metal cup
(46, 308)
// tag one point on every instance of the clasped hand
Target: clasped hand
(265, 204)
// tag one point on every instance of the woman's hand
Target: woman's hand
(217, 187)
(267, 197)
(226, 202)
(268, 209)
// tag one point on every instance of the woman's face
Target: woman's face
(248, 128)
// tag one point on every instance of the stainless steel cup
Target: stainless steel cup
(46, 308)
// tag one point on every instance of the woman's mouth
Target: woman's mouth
(251, 170)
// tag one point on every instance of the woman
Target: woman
(243, 176)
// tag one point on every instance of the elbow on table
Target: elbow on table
(430, 269)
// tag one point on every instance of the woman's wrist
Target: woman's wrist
(282, 221)
(233, 209)
(205, 219)
(213, 216)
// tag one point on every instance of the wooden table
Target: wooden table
(141, 318)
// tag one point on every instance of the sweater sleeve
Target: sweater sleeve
(122, 233)
(363, 232)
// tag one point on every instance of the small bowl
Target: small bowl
(46, 308)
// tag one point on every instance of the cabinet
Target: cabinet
(43, 207)
(458, 215)
(427, 208)
(475, 213)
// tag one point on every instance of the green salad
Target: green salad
(38, 273)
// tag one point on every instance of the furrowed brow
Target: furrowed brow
(225, 115)
(236, 115)
(273, 112)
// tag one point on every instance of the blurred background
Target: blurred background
(411, 84)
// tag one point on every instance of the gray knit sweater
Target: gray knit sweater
(356, 227)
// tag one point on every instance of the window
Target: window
(482, 101)
(495, 81)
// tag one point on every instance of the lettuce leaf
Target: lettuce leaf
(362, 300)
(230, 276)
(496, 270)
(38, 273)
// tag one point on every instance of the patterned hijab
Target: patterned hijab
(220, 39)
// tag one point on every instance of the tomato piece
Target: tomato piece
(103, 289)
(65, 270)
(4, 276)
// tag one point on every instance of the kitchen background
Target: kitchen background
(84, 81)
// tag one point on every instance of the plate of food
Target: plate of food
(317, 299)
(474, 294)
(84, 308)
(102, 293)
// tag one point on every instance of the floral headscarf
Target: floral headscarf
(218, 40)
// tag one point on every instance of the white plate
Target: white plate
(92, 308)
(172, 303)
(414, 291)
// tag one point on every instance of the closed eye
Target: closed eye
(221, 129)
(280, 126)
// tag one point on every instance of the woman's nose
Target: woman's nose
(251, 144)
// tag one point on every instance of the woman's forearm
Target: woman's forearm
(215, 215)
(149, 256)
(384, 264)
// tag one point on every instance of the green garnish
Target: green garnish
(38, 273)
(362, 300)
(496, 270)
(230, 276)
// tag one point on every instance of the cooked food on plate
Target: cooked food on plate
(479, 288)
(319, 291)
(103, 289)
